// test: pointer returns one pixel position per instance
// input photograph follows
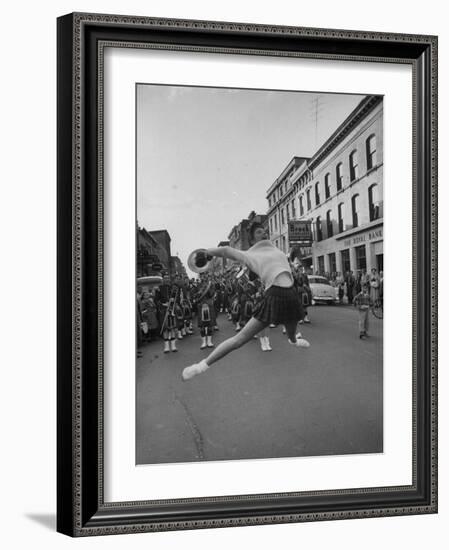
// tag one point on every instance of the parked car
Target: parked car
(149, 282)
(322, 290)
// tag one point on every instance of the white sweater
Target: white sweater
(265, 260)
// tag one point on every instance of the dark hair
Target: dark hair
(252, 229)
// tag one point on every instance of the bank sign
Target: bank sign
(373, 235)
(300, 232)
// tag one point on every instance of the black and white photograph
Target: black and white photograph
(259, 273)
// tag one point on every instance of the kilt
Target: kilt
(279, 306)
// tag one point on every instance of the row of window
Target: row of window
(360, 260)
(371, 161)
(375, 212)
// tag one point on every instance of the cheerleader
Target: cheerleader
(263, 335)
(280, 305)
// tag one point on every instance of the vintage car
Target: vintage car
(149, 282)
(322, 290)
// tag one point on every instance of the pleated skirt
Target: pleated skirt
(279, 306)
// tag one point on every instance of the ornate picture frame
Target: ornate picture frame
(81, 507)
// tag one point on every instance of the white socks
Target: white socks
(265, 343)
(193, 370)
(300, 342)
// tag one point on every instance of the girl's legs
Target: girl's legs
(245, 335)
(264, 340)
(252, 327)
(290, 328)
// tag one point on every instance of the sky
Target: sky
(207, 156)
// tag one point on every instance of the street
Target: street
(323, 400)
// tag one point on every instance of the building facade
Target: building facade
(177, 267)
(219, 264)
(239, 235)
(282, 202)
(153, 249)
(340, 190)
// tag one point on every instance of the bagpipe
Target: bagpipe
(170, 311)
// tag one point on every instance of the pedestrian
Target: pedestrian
(149, 315)
(362, 302)
(305, 297)
(350, 284)
(280, 304)
(138, 327)
(374, 284)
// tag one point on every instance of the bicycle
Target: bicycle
(377, 308)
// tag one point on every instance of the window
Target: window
(282, 216)
(283, 245)
(301, 206)
(360, 257)
(339, 176)
(355, 213)
(309, 204)
(293, 209)
(320, 264)
(276, 222)
(271, 225)
(319, 232)
(353, 166)
(371, 156)
(327, 187)
(317, 193)
(330, 229)
(332, 262)
(374, 203)
(345, 261)
(288, 211)
(341, 216)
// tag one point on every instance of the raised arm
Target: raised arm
(228, 252)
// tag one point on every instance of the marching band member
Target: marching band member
(235, 311)
(188, 315)
(166, 299)
(280, 305)
(206, 313)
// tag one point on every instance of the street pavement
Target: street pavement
(324, 400)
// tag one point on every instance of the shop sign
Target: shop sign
(373, 235)
(300, 231)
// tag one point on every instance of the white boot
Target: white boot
(166, 346)
(237, 327)
(284, 330)
(203, 342)
(193, 370)
(173, 345)
(179, 334)
(209, 342)
(267, 344)
(263, 343)
(183, 331)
